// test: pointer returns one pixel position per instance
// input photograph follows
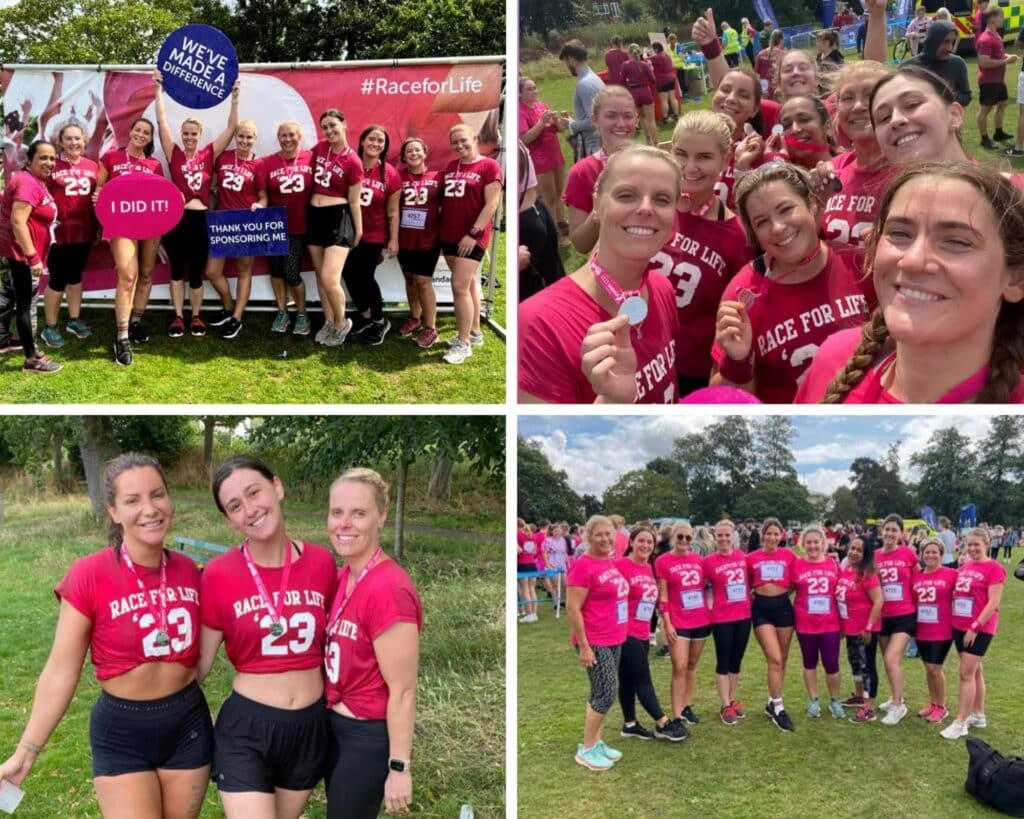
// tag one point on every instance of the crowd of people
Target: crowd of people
(325, 659)
(345, 205)
(819, 235)
(880, 588)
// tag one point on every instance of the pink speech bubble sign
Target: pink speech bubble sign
(139, 206)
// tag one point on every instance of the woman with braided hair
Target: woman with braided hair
(947, 258)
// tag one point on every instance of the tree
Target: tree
(1000, 467)
(843, 505)
(731, 443)
(784, 498)
(592, 506)
(97, 447)
(210, 424)
(541, 16)
(773, 436)
(877, 489)
(542, 491)
(948, 472)
(694, 453)
(673, 470)
(642, 495)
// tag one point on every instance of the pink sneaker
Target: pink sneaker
(924, 713)
(410, 326)
(938, 714)
(426, 338)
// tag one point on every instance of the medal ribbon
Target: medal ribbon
(342, 599)
(264, 597)
(611, 287)
(162, 619)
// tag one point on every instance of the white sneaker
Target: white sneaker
(895, 714)
(885, 706)
(324, 333)
(459, 352)
(977, 721)
(475, 339)
(531, 618)
(955, 730)
(338, 335)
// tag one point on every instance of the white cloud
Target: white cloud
(843, 448)
(824, 481)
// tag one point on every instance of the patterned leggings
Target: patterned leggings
(862, 663)
(604, 677)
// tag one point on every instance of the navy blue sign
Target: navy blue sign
(235, 233)
(199, 66)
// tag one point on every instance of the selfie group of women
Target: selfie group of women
(346, 207)
(836, 244)
(880, 597)
(325, 659)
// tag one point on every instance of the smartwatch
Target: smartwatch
(399, 765)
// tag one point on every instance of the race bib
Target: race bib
(772, 571)
(530, 547)
(735, 592)
(622, 612)
(927, 614)
(844, 612)
(644, 610)
(892, 592)
(692, 599)
(963, 606)
(414, 218)
(819, 604)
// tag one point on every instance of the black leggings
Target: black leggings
(538, 232)
(357, 767)
(730, 645)
(189, 247)
(66, 263)
(24, 289)
(635, 681)
(361, 281)
(862, 663)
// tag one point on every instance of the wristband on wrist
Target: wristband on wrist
(739, 372)
(975, 626)
(34, 259)
(712, 49)
(475, 232)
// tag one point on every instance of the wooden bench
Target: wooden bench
(201, 551)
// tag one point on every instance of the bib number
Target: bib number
(844, 612)
(622, 611)
(692, 600)
(735, 592)
(892, 592)
(772, 571)
(414, 218)
(644, 610)
(819, 604)
(963, 606)
(928, 614)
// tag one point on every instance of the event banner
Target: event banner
(408, 98)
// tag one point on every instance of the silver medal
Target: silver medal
(276, 629)
(635, 309)
(162, 639)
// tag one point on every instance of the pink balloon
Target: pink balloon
(720, 395)
(139, 206)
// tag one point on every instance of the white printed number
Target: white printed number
(838, 230)
(963, 584)
(332, 661)
(889, 575)
(413, 197)
(78, 186)
(685, 275)
(365, 196)
(293, 184)
(926, 594)
(301, 622)
(841, 594)
(454, 188)
(177, 617)
(194, 181)
(735, 575)
(817, 585)
(233, 181)
(323, 177)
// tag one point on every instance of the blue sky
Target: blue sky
(595, 450)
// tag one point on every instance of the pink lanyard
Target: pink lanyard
(630, 302)
(162, 637)
(277, 619)
(343, 596)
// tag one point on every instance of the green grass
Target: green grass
(459, 754)
(249, 369)
(827, 768)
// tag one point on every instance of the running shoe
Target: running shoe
(737, 708)
(1014, 151)
(123, 352)
(476, 339)
(689, 716)
(853, 701)
(637, 731)
(782, 720)
(458, 353)
(592, 759)
(426, 338)
(1001, 136)
(197, 327)
(610, 753)
(864, 714)
(230, 328)
(410, 326)
(137, 333)
(977, 721)
(988, 144)
(324, 333)
(814, 709)
(728, 715)
(51, 336)
(176, 328)
(341, 333)
(360, 324)
(8, 344)
(40, 364)
(674, 730)
(301, 325)
(911, 648)
(836, 708)
(374, 335)
(281, 322)
(955, 730)
(769, 710)
(938, 714)
(885, 706)
(220, 318)
(663, 652)
(78, 328)
(895, 714)
(924, 713)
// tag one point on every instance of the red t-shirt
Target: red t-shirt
(529, 548)
(421, 210)
(193, 176)
(836, 351)
(729, 576)
(72, 187)
(643, 596)
(606, 609)
(664, 70)
(791, 321)
(385, 596)
(24, 187)
(553, 324)
(124, 628)
(771, 567)
(118, 163)
(814, 604)
(895, 571)
(232, 604)
(990, 44)
(545, 150)
(239, 181)
(933, 593)
(614, 58)
(463, 192)
(853, 602)
(700, 260)
(685, 580)
(373, 199)
(970, 595)
(579, 185)
(335, 173)
(849, 214)
(289, 183)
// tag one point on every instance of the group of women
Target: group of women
(880, 596)
(347, 206)
(325, 659)
(889, 272)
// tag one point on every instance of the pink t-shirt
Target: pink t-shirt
(385, 596)
(621, 542)
(699, 261)
(814, 605)
(606, 609)
(791, 321)
(771, 567)
(118, 162)
(232, 604)
(420, 210)
(553, 324)
(529, 552)
(25, 187)
(192, 176)
(895, 571)
(334, 173)
(729, 576)
(853, 602)
(289, 183)
(970, 595)
(643, 596)
(990, 44)
(849, 214)
(579, 185)
(72, 186)
(933, 593)
(124, 626)
(685, 580)
(239, 181)
(545, 150)
(373, 199)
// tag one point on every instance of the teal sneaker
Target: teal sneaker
(836, 707)
(51, 336)
(814, 709)
(78, 328)
(611, 753)
(592, 759)
(301, 327)
(281, 321)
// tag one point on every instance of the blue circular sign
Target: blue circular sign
(199, 66)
